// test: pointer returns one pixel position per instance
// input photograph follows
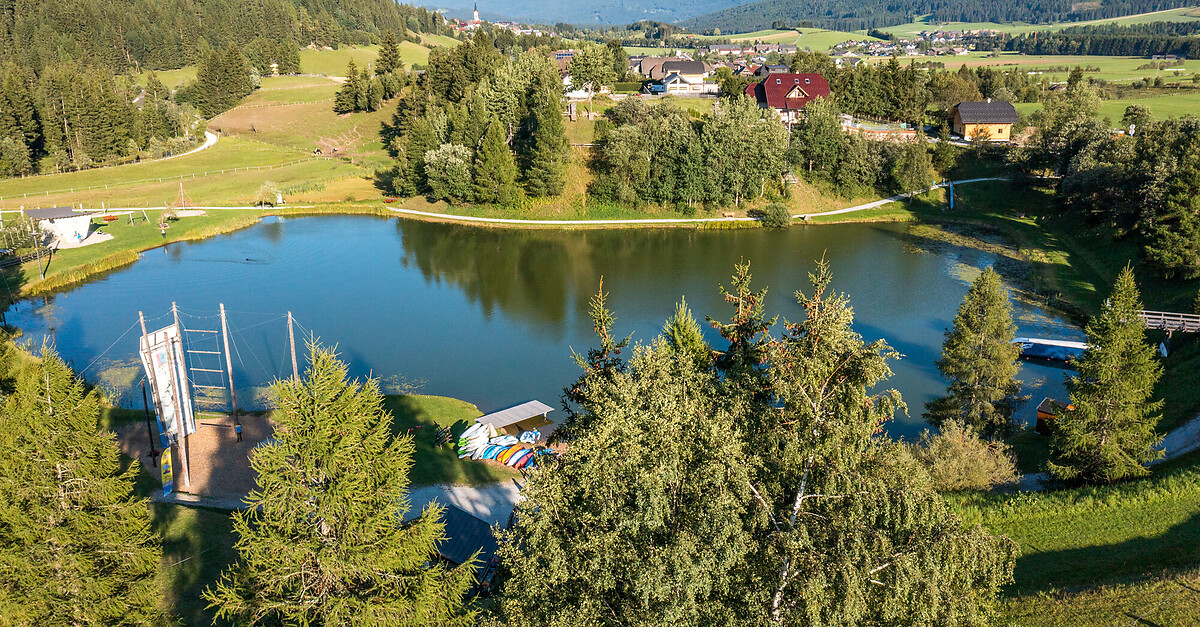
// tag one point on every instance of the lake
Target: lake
(491, 315)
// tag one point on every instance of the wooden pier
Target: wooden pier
(1167, 321)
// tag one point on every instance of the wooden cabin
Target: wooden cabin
(992, 119)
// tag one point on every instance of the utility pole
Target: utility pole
(292, 342)
(179, 395)
(229, 367)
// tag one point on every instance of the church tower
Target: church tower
(475, 14)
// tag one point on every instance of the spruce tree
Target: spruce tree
(388, 61)
(76, 547)
(544, 149)
(346, 100)
(652, 536)
(1110, 434)
(324, 542)
(981, 363)
(854, 533)
(495, 172)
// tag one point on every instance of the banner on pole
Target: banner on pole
(166, 370)
(168, 477)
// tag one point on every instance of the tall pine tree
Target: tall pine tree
(495, 172)
(324, 541)
(1110, 434)
(76, 547)
(981, 363)
(346, 100)
(543, 142)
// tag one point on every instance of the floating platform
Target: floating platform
(1053, 350)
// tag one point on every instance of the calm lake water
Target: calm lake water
(491, 315)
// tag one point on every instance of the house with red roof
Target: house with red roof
(788, 93)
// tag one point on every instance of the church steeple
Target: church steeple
(475, 13)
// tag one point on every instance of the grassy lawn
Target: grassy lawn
(1095, 536)
(1169, 599)
(1161, 103)
(1112, 69)
(421, 416)
(334, 62)
(648, 51)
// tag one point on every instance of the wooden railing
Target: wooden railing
(1167, 321)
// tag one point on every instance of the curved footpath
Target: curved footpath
(615, 222)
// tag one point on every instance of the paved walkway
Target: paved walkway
(210, 140)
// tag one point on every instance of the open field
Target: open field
(811, 38)
(1112, 69)
(1165, 105)
(1185, 14)
(648, 51)
(334, 62)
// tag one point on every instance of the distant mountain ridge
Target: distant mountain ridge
(591, 13)
(851, 15)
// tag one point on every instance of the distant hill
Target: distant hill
(864, 14)
(167, 34)
(587, 12)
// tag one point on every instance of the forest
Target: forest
(849, 15)
(1138, 40)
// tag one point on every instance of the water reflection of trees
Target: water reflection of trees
(546, 275)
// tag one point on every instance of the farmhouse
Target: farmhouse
(992, 120)
(788, 93)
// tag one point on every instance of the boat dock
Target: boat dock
(1054, 350)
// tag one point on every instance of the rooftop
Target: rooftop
(53, 213)
(513, 415)
(988, 112)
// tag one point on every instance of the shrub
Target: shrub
(267, 195)
(776, 216)
(958, 459)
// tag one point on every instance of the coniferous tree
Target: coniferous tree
(543, 146)
(388, 61)
(655, 536)
(913, 170)
(1110, 434)
(346, 100)
(855, 533)
(981, 363)
(324, 541)
(495, 172)
(76, 547)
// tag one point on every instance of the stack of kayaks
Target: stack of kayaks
(480, 442)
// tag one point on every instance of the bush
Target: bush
(958, 459)
(267, 195)
(775, 216)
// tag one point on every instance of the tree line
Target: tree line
(480, 126)
(1177, 38)
(658, 154)
(852, 15)
(72, 116)
(156, 34)
(368, 89)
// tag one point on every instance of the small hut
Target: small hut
(1047, 411)
(63, 224)
(516, 420)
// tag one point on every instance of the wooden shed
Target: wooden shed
(1047, 411)
(515, 420)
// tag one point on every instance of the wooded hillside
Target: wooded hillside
(168, 34)
(864, 14)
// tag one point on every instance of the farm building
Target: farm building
(62, 224)
(992, 120)
(1047, 411)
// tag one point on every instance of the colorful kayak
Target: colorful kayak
(525, 461)
(516, 459)
(508, 452)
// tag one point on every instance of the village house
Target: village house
(725, 49)
(992, 119)
(789, 93)
(767, 70)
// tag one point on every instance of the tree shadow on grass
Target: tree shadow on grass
(197, 547)
(1133, 560)
(413, 415)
